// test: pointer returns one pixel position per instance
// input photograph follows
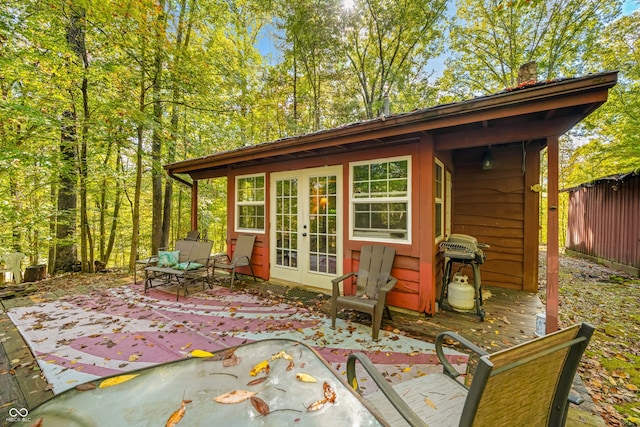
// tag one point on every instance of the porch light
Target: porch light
(487, 160)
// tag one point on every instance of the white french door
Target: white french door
(306, 228)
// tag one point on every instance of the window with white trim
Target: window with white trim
(380, 199)
(439, 200)
(250, 195)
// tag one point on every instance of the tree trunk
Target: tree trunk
(182, 42)
(76, 39)
(66, 219)
(156, 137)
(116, 210)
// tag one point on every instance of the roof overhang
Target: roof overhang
(530, 112)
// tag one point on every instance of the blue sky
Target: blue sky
(266, 44)
(630, 6)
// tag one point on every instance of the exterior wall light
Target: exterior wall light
(487, 160)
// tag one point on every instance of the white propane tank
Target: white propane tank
(461, 293)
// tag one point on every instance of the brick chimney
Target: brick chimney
(528, 73)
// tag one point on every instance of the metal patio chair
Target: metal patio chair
(525, 385)
(373, 281)
(241, 257)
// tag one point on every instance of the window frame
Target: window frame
(389, 199)
(258, 203)
(439, 201)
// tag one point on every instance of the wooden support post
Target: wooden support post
(194, 205)
(552, 235)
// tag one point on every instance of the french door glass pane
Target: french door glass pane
(287, 223)
(322, 224)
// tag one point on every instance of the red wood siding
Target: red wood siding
(490, 205)
(604, 220)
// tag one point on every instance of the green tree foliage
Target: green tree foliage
(491, 41)
(613, 136)
(157, 81)
(388, 44)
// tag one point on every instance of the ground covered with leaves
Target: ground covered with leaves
(606, 298)
(609, 300)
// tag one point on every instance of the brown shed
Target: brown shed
(604, 221)
(408, 181)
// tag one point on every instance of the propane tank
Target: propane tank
(461, 293)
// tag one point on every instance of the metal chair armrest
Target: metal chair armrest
(403, 408)
(448, 368)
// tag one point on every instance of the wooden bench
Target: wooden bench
(193, 264)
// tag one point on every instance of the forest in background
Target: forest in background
(96, 96)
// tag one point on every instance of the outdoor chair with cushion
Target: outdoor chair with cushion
(241, 257)
(373, 281)
(188, 263)
(525, 385)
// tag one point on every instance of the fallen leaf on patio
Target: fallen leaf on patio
(186, 346)
(262, 366)
(631, 387)
(134, 357)
(305, 378)
(235, 396)
(430, 403)
(116, 380)
(407, 369)
(260, 405)
(200, 353)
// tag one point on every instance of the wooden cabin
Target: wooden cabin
(408, 181)
(604, 221)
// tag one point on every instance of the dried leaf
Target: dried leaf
(262, 366)
(316, 405)
(116, 380)
(290, 366)
(430, 403)
(200, 353)
(134, 357)
(177, 415)
(231, 361)
(235, 396)
(257, 381)
(305, 378)
(260, 405)
(85, 387)
(329, 394)
(282, 354)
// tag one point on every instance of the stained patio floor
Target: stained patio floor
(510, 319)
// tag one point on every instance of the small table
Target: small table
(152, 396)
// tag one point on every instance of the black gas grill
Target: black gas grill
(464, 250)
